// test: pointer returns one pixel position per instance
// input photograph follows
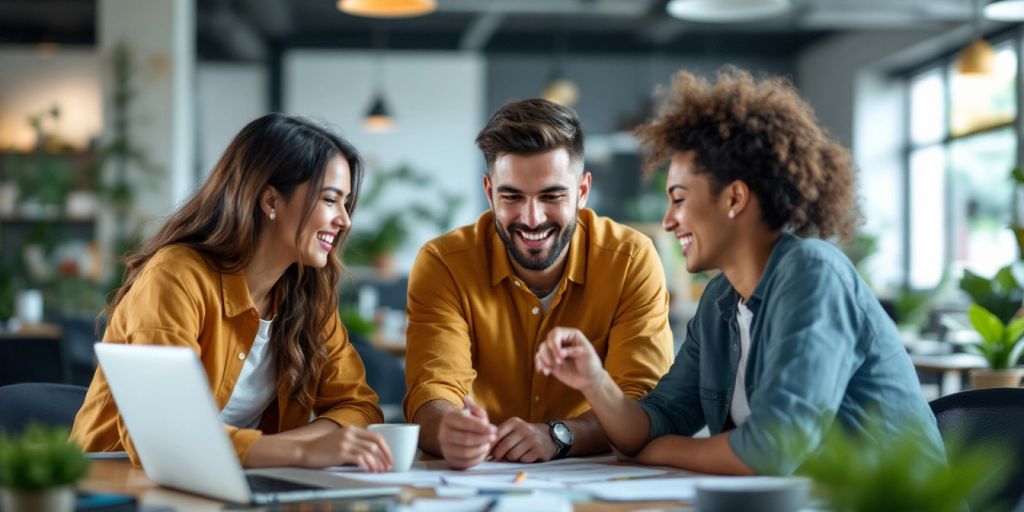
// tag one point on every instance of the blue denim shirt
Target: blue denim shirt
(822, 350)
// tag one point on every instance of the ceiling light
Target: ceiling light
(1005, 10)
(562, 91)
(387, 8)
(979, 58)
(723, 11)
(378, 118)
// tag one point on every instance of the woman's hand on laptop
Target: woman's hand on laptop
(349, 445)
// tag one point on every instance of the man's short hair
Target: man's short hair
(532, 126)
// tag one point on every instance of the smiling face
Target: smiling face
(698, 217)
(535, 199)
(323, 227)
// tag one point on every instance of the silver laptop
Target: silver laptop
(165, 400)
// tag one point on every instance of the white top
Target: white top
(740, 408)
(545, 301)
(256, 386)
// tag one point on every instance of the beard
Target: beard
(535, 259)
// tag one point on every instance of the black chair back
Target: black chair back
(988, 415)
(41, 403)
(31, 359)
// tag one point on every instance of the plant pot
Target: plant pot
(54, 499)
(988, 378)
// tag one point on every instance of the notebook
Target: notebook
(164, 397)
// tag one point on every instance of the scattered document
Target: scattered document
(586, 472)
(500, 482)
(645, 489)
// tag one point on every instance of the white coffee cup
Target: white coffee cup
(402, 439)
(30, 306)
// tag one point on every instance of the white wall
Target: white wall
(228, 97)
(31, 83)
(437, 99)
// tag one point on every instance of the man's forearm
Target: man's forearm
(428, 417)
(588, 436)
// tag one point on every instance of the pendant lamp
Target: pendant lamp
(978, 58)
(387, 8)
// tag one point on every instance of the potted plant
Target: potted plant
(1001, 345)
(994, 315)
(38, 470)
(854, 471)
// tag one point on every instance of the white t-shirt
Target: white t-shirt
(740, 408)
(256, 386)
(545, 301)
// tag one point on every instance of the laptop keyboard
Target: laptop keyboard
(267, 485)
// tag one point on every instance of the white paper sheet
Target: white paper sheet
(644, 489)
(501, 482)
(579, 473)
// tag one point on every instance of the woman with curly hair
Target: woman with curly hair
(246, 274)
(787, 340)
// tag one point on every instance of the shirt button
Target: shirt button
(241, 355)
(535, 310)
(536, 398)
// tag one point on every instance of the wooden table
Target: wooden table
(119, 476)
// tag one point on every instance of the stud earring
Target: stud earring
(273, 214)
(732, 214)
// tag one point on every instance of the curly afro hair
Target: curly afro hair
(762, 133)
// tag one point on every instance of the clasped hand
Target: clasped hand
(468, 438)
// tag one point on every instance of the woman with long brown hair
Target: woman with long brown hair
(246, 274)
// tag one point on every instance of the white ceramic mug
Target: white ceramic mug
(402, 439)
(30, 307)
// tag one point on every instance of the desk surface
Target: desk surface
(119, 476)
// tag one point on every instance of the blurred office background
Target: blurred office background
(112, 111)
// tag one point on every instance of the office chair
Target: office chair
(40, 403)
(985, 416)
(31, 359)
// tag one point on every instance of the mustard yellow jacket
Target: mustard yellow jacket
(180, 300)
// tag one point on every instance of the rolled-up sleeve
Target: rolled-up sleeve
(164, 307)
(343, 396)
(809, 356)
(439, 363)
(640, 339)
(674, 407)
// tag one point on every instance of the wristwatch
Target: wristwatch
(562, 437)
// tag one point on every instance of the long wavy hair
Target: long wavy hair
(223, 220)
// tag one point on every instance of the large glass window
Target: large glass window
(962, 145)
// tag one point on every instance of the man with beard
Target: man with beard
(484, 296)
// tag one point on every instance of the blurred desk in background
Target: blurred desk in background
(952, 368)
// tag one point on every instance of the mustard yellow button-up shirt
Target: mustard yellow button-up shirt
(475, 327)
(180, 300)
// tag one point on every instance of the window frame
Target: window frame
(1013, 39)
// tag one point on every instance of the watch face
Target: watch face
(562, 433)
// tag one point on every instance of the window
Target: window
(962, 145)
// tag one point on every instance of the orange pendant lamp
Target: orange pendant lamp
(387, 8)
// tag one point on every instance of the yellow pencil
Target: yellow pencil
(519, 477)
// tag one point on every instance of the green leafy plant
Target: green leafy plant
(40, 458)
(356, 323)
(1001, 344)
(364, 246)
(392, 231)
(875, 471)
(1002, 295)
